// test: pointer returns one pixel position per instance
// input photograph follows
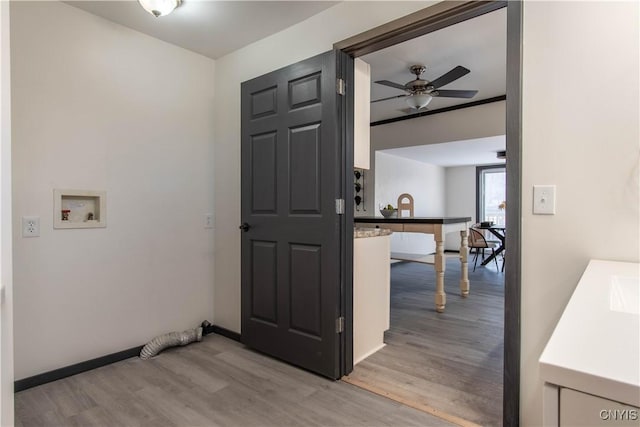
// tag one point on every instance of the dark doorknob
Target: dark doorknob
(244, 227)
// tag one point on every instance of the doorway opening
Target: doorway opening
(508, 307)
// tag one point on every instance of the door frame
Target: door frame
(345, 103)
(422, 22)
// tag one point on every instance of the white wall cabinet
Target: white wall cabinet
(361, 114)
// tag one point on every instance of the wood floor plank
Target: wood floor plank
(68, 399)
(35, 402)
(448, 362)
(114, 400)
(47, 418)
(172, 407)
(179, 365)
(97, 416)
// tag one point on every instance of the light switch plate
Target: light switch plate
(544, 199)
(208, 220)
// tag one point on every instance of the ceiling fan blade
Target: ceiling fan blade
(455, 93)
(391, 97)
(391, 84)
(452, 75)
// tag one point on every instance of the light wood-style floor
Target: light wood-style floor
(217, 382)
(449, 361)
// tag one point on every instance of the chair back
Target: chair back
(476, 239)
(405, 205)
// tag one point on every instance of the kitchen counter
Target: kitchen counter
(595, 347)
(360, 232)
(412, 220)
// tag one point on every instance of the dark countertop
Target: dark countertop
(495, 227)
(414, 220)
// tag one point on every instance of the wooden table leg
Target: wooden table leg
(464, 269)
(441, 297)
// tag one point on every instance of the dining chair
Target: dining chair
(478, 242)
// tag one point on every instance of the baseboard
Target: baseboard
(67, 371)
(70, 370)
(224, 332)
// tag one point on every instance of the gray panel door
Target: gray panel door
(291, 247)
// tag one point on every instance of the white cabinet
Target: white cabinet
(371, 294)
(361, 114)
(590, 366)
(586, 410)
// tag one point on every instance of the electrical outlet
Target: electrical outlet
(30, 226)
(208, 220)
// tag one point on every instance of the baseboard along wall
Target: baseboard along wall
(67, 371)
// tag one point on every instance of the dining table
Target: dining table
(438, 227)
(499, 232)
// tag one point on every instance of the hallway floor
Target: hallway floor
(451, 362)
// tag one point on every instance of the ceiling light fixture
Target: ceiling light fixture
(419, 100)
(159, 7)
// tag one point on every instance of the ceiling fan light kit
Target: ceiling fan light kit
(159, 7)
(418, 100)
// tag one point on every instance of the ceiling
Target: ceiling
(478, 44)
(211, 28)
(478, 151)
(216, 28)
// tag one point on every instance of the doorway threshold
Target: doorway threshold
(413, 402)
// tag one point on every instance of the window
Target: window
(491, 192)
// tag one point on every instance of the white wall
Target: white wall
(6, 270)
(308, 38)
(98, 106)
(425, 182)
(584, 142)
(468, 123)
(460, 191)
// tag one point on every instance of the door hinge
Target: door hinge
(339, 325)
(340, 88)
(340, 206)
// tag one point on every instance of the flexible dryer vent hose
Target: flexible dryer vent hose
(172, 339)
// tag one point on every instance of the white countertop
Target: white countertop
(595, 347)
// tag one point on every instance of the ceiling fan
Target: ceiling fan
(420, 92)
